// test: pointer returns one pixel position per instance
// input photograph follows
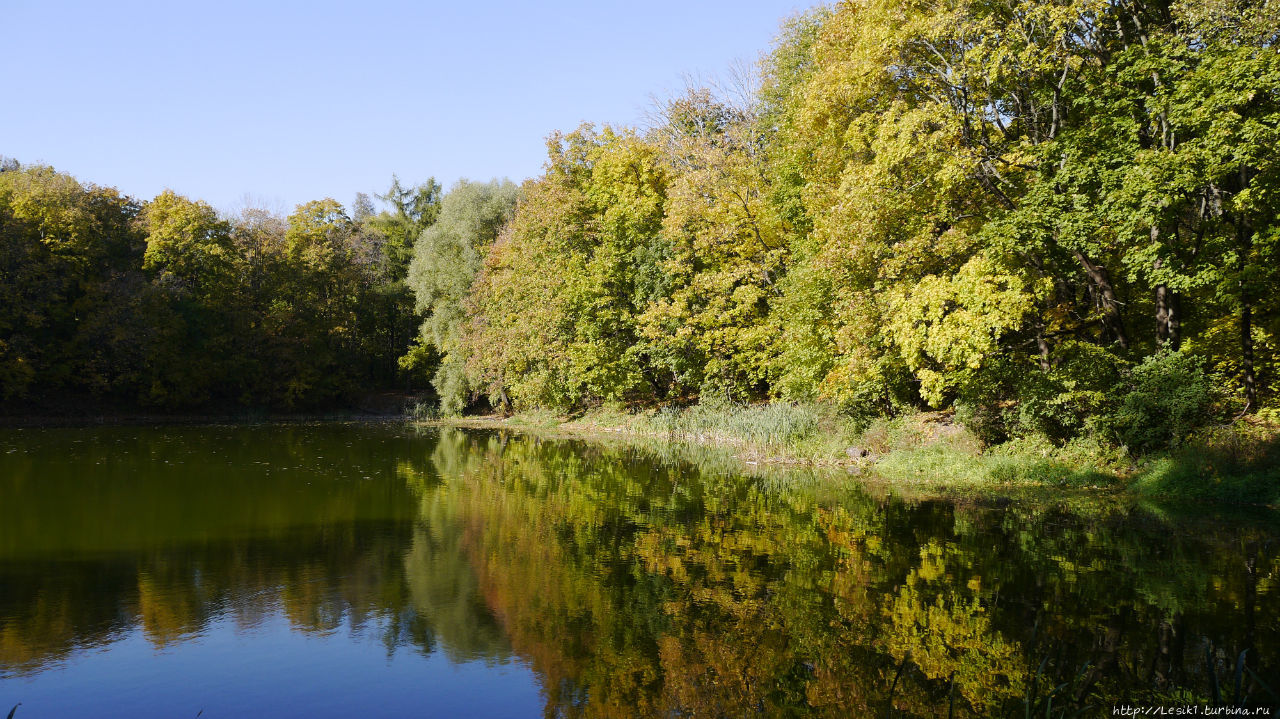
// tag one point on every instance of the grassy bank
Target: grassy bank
(1237, 463)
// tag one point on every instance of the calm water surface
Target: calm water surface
(378, 570)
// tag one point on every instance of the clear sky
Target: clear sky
(293, 101)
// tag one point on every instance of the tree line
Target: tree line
(1049, 216)
(171, 304)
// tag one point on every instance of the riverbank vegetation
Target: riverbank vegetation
(1046, 229)
(929, 454)
(1053, 223)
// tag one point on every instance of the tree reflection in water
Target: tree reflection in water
(632, 586)
(643, 588)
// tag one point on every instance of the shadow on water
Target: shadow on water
(630, 585)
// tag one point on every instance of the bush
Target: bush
(1011, 398)
(1165, 399)
(423, 411)
(451, 385)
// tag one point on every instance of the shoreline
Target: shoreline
(590, 430)
(752, 459)
(922, 456)
(940, 466)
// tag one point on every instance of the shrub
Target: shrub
(1010, 398)
(450, 383)
(422, 411)
(1165, 399)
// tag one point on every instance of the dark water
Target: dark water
(375, 570)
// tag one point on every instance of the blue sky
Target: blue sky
(292, 101)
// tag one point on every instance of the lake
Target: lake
(383, 570)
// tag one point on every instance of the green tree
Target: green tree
(192, 259)
(390, 320)
(554, 311)
(707, 320)
(446, 259)
(413, 209)
(321, 295)
(68, 254)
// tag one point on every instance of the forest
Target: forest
(1054, 218)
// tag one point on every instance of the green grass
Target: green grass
(951, 458)
(1238, 463)
(778, 432)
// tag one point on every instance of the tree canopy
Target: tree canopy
(172, 304)
(1025, 211)
(1003, 208)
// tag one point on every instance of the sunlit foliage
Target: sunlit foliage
(1001, 208)
(172, 304)
(998, 207)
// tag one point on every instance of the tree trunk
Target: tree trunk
(1110, 305)
(1168, 317)
(1244, 237)
(1246, 356)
